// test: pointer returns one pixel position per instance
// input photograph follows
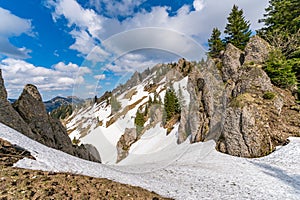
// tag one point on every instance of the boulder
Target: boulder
(124, 143)
(232, 59)
(257, 50)
(244, 133)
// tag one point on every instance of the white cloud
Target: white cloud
(86, 23)
(100, 77)
(116, 8)
(10, 26)
(198, 5)
(76, 15)
(98, 54)
(165, 32)
(84, 43)
(61, 77)
(129, 63)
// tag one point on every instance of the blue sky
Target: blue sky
(84, 47)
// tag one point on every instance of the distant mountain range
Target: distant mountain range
(58, 101)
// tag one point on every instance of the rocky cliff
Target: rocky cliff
(255, 119)
(28, 115)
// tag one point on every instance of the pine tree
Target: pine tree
(282, 15)
(280, 70)
(115, 104)
(215, 44)
(237, 29)
(282, 26)
(172, 105)
(139, 121)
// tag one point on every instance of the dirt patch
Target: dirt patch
(130, 94)
(16, 183)
(123, 112)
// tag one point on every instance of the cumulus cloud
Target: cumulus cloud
(100, 77)
(111, 8)
(61, 77)
(131, 62)
(99, 36)
(10, 26)
(198, 5)
(85, 23)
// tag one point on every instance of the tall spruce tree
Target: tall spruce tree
(139, 121)
(215, 44)
(282, 26)
(171, 103)
(237, 29)
(282, 15)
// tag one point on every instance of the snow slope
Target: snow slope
(200, 173)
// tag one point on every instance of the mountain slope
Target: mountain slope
(225, 100)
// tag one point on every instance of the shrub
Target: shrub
(269, 95)
(280, 70)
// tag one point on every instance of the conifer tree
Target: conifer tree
(282, 15)
(215, 43)
(171, 103)
(115, 104)
(139, 121)
(237, 29)
(280, 70)
(282, 26)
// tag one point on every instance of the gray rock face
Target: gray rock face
(46, 130)
(124, 143)
(28, 115)
(257, 50)
(244, 133)
(93, 150)
(8, 115)
(252, 80)
(233, 59)
(3, 93)
(250, 126)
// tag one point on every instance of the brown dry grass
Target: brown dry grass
(16, 183)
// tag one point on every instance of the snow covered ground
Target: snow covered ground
(200, 173)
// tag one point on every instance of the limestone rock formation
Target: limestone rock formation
(257, 50)
(28, 115)
(232, 59)
(253, 124)
(124, 143)
(49, 131)
(8, 115)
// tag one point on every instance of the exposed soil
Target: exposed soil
(16, 183)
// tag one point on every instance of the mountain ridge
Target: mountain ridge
(223, 96)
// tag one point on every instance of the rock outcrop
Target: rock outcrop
(8, 115)
(253, 114)
(28, 115)
(232, 60)
(257, 50)
(124, 143)
(238, 107)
